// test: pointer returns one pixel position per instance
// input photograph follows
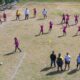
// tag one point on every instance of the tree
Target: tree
(1, 1)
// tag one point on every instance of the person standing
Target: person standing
(4, 17)
(59, 62)
(53, 59)
(16, 42)
(41, 30)
(44, 12)
(34, 12)
(67, 61)
(27, 13)
(76, 19)
(50, 26)
(17, 15)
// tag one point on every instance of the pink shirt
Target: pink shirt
(16, 43)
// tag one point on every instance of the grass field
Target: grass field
(33, 62)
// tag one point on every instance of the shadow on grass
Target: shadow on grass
(10, 53)
(54, 73)
(46, 69)
(60, 36)
(40, 19)
(72, 24)
(18, 20)
(14, 20)
(75, 35)
(37, 35)
(59, 24)
(72, 71)
(41, 34)
(32, 17)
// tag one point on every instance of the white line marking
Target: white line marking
(18, 66)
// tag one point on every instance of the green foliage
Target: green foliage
(1, 1)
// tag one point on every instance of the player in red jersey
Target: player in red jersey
(4, 16)
(63, 19)
(16, 42)
(34, 12)
(50, 26)
(64, 30)
(41, 30)
(76, 19)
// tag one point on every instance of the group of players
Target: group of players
(60, 61)
(65, 20)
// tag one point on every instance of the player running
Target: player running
(16, 44)
(41, 30)
(67, 19)
(76, 19)
(63, 18)
(64, 30)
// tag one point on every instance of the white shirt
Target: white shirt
(78, 59)
(68, 58)
(44, 12)
(27, 11)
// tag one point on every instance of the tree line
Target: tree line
(7, 1)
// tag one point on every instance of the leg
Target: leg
(51, 63)
(25, 17)
(65, 66)
(54, 63)
(15, 49)
(77, 65)
(58, 68)
(68, 66)
(19, 49)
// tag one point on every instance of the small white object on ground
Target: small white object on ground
(1, 63)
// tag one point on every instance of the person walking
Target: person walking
(16, 42)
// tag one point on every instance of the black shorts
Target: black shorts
(67, 62)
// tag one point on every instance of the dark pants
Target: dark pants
(67, 63)
(78, 65)
(26, 16)
(17, 17)
(60, 66)
(53, 62)
(17, 48)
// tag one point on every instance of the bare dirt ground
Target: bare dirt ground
(33, 63)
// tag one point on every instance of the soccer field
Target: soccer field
(33, 62)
